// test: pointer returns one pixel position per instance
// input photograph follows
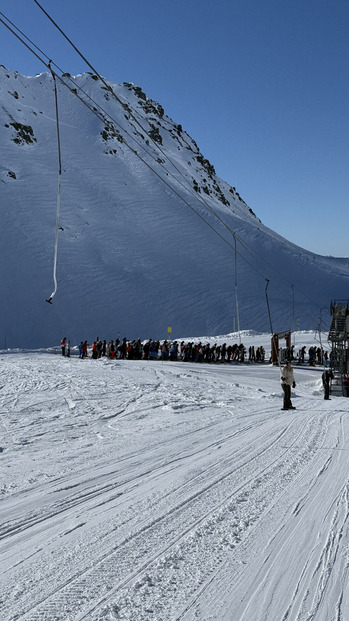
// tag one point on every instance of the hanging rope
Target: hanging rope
(236, 294)
(49, 300)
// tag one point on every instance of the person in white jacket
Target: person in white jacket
(287, 380)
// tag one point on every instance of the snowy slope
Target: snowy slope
(184, 494)
(137, 252)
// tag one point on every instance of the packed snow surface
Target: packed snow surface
(149, 490)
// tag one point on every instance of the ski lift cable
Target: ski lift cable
(244, 244)
(64, 74)
(22, 41)
(48, 67)
(282, 277)
(28, 39)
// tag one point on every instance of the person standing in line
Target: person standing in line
(63, 345)
(327, 376)
(287, 380)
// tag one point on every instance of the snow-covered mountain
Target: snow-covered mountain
(150, 236)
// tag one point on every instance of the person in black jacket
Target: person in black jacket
(327, 376)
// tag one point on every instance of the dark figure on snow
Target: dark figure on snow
(302, 355)
(287, 380)
(63, 341)
(327, 376)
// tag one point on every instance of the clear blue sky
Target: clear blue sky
(263, 88)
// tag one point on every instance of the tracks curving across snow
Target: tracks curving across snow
(148, 491)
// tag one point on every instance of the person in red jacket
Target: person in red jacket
(63, 341)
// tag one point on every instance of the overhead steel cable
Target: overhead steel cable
(48, 67)
(24, 35)
(50, 61)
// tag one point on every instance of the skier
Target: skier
(146, 350)
(123, 348)
(63, 345)
(287, 380)
(301, 355)
(327, 376)
(174, 351)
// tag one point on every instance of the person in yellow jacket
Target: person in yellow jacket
(287, 380)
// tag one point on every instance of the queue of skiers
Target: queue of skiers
(166, 350)
(187, 351)
(316, 355)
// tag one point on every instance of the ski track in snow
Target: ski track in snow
(170, 491)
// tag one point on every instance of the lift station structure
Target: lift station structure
(339, 338)
(278, 354)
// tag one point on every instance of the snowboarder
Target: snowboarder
(287, 380)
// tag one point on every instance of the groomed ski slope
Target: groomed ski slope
(149, 490)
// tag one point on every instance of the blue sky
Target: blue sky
(262, 87)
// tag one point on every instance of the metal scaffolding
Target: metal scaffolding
(339, 356)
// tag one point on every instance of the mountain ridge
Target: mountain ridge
(137, 252)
